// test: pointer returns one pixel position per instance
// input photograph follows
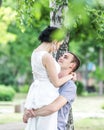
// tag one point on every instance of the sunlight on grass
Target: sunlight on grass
(11, 117)
(90, 124)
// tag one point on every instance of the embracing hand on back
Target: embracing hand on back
(73, 76)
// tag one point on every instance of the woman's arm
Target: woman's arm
(49, 63)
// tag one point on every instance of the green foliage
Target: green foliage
(76, 14)
(87, 29)
(59, 34)
(98, 74)
(16, 46)
(102, 106)
(80, 88)
(0, 2)
(84, 20)
(6, 75)
(31, 12)
(7, 93)
(6, 13)
(23, 89)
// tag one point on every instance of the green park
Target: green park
(82, 25)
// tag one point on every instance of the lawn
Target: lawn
(90, 124)
(82, 105)
(7, 109)
(92, 106)
(10, 117)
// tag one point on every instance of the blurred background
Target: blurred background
(20, 24)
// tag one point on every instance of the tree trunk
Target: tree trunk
(56, 19)
(101, 66)
(0, 2)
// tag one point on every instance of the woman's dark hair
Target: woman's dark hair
(46, 34)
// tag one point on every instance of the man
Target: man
(67, 92)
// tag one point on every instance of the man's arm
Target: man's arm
(45, 110)
(51, 108)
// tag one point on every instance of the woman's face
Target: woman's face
(55, 45)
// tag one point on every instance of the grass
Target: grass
(81, 104)
(89, 124)
(7, 108)
(88, 104)
(10, 117)
(91, 104)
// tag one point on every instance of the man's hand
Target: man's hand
(28, 114)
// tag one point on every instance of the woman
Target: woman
(44, 89)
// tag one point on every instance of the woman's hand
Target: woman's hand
(74, 78)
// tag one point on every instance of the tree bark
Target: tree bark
(56, 19)
(101, 66)
(0, 2)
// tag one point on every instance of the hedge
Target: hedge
(7, 93)
(80, 88)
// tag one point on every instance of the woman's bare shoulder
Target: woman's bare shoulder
(47, 56)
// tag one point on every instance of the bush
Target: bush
(7, 93)
(102, 106)
(24, 89)
(6, 75)
(80, 87)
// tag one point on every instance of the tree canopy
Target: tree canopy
(21, 22)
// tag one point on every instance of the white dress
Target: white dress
(41, 92)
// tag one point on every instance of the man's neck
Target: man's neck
(63, 73)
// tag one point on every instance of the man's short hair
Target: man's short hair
(75, 60)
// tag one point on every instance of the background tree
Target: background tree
(0, 2)
(85, 26)
(82, 19)
(57, 19)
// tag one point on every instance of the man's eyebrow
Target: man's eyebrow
(65, 55)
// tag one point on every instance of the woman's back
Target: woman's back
(38, 69)
(42, 91)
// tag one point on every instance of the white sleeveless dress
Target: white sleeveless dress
(41, 92)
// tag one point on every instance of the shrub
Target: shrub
(102, 106)
(7, 93)
(24, 89)
(80, 87)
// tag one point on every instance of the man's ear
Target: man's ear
(72, 65)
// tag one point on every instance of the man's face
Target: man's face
(65, 60)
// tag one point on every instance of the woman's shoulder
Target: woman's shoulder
(39, 53)
(48, 57)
